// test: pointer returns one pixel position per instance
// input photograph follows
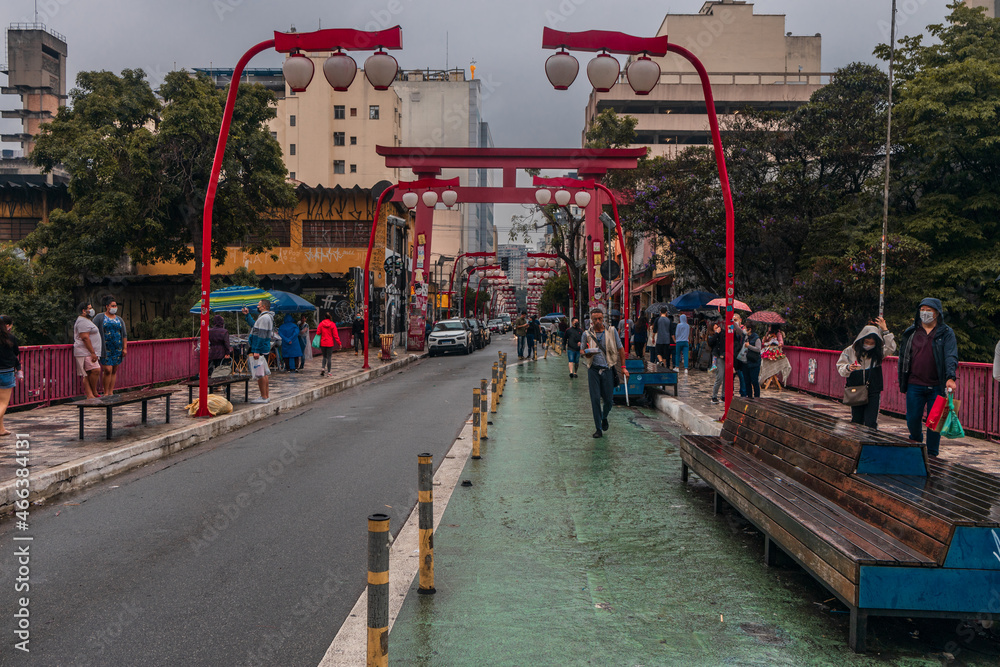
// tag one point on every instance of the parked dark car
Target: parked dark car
(478, 339)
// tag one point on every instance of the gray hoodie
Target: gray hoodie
(996, 363)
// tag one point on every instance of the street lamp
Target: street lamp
(298, 70)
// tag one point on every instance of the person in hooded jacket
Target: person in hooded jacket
(682, 337)
(928, 367)
(861, 364)
(996, 363)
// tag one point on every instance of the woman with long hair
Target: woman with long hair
(861, 364)
(10, 366)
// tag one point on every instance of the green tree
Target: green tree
(140, 169)
(41, 313)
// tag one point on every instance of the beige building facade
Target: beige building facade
(36, 72)
(991, 6)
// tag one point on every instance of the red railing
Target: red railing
(50, 373)
(978, 391)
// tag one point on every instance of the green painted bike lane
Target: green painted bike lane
(570, 550)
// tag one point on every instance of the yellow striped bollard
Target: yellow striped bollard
(425, 496)
(378, 590)
(493, 389)
(484, 410)
(476, 406)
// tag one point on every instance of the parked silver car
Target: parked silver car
(450, 336)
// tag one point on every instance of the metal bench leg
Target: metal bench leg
(675, 390)
(168, 408)
(718, 502)
(859, 630)
(108, 434)
(144, 412)
(772, 553)
(81, 422)
(190, 394)
(684, 472)
(246, 391)
(229, 392)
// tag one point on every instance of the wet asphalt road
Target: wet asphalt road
(247, 550)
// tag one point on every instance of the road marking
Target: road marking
(349, 647)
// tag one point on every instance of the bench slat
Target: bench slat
(929, 492)
(828, 457)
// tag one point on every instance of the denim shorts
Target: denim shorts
(7, 380)
(573, 356)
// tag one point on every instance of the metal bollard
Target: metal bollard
(378, 590)
(425, 496)
(484, 410)
(476, 406)
(493, 389)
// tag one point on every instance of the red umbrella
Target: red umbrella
(739, 305)
(767, 317)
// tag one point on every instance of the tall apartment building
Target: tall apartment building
(990, 5)
(36, 72)
(515, 257)
(752, 62)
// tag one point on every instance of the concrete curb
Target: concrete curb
(694, 421)
(83, 472)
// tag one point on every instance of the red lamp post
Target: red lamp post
(298, 70)
(643, 78)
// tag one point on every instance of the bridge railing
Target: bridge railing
(978, 391)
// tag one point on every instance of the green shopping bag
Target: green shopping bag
(952, 427)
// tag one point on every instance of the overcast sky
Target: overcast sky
(503, 37)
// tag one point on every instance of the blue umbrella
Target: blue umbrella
(286, 302)
(233, 299)
(692, 300)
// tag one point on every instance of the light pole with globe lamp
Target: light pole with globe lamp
(340, 70)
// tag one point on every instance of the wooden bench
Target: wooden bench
(228, 381)
(109, 403)
(888, 531)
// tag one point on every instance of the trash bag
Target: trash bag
(952, 427)
(217, 405)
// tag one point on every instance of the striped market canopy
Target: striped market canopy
(232, 299)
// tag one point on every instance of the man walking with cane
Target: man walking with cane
(601, 354)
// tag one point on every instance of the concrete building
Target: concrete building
(515, 257)
(752, 62)
(36, 72)
(990, 5)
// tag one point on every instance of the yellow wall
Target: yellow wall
(314, 204)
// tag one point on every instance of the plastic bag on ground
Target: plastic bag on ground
(217, 405)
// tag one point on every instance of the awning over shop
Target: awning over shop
(655, 281)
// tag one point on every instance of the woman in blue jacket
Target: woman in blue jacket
(291, 349)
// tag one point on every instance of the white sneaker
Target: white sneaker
(260, 400)
(685, 371)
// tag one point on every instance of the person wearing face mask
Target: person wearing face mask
(87, 349)
(928, 367)
(114, 342)
(861, 364)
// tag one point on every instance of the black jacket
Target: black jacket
(9, 355)
(718, 344)
(573, 337)
(944, 346)
(535, 329)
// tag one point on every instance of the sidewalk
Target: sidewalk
(60, 461)
(570, 550)
(695, 390)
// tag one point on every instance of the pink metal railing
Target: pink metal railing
(978, 391)
(50, 373)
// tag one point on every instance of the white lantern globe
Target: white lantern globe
(643, 74)
(340, 70)
(582, 198)
(410, 199)
(430, 198)
(449, 197)
(603, 72)
(561, 68)
(381, 69)
(298, 71)
(481, 261)
(552, 263)
(543, 196)
(531, 261)
(470, 260)
(562, 197)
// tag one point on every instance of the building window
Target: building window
(15, 229)
(278, 232)
(338, 166)
(291, 120)
(338, 138)
(373, 112)
(354, 168)
(354, 141)
(291, 149)
(291, 175)
(274, 135)
(354, 112)
(338, 112)
(335, 233)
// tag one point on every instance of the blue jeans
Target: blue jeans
(751, 375)
(531, 345)
(573, 356)
(602, 388)
(743, 380)
(681, 349)
(520, 346)
(919, 400)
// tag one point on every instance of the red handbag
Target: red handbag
(937, 414)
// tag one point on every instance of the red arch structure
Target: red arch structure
(590, 164)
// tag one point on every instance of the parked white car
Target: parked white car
(450, 336)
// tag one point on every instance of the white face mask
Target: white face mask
(927, 316)
(868, 346)
(112, 310)
(91, 312)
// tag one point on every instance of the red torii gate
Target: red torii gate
(427, 164)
